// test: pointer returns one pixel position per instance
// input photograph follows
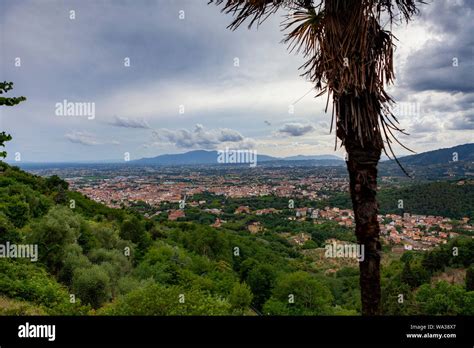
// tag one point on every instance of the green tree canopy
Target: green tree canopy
(155, 299)
(299, 293)
(92, 285)
(53, 233)
(241, 297)
(4, 88)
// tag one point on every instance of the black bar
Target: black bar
(264, 330)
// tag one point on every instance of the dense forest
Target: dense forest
(454, 162)
(451, 199)
(94, 260)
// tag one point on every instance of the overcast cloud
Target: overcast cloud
(164, 84)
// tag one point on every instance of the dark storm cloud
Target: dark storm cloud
(150, 33)
(447, 64)
(199, 137)
(82, 138)
(190, 61)
(432, 68)
(126, 122)
(296, 129)
(86, 138)
(426, 125)
(463, 122)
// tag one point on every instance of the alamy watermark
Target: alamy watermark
(237, 156)
(346, 250)
(27, 251)
(67, 108)
(406, 109)
(37, 331)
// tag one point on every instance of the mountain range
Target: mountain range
(461, 153)
(441, 156)
(457, 161)
(453, 162)
(210, 157)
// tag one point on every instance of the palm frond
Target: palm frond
(308, 26)
(349, 56)
(399, 9)
(254, 10)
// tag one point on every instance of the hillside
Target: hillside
(202, 157)
(454, 162)
(116, 262)
(453, 199)
(441, 156)
(190, 158)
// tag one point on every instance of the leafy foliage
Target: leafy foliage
(58, 229)
(116, 262)
(156, 299)
(241, 297)
(299, 294)
(444, 299)
(24, 281)
(4, 88)
(92, 285)
(437, 198)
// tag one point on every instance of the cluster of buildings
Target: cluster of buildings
(154, 189)
(419, 232)
(343, 216)
(406, 232)
(410, 231)
(118, 191)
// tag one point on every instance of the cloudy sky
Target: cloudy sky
(166, 76)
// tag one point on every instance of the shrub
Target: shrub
(155, 299)
(92, 285)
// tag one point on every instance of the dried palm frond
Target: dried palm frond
(254, 10)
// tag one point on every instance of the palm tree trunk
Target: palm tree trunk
(362, 166)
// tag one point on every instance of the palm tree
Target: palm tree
(350, 56)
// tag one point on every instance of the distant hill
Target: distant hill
(431, 165)
(191, 157)
(441, 156)
(434, 165)
(453, 199)
(210, 157)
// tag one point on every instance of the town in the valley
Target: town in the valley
(170, 192)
